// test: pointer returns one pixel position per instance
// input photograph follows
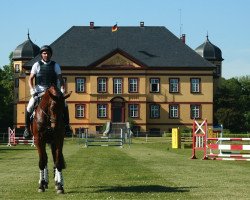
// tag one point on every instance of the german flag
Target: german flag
(114, 28)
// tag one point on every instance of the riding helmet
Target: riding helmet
(46, 48)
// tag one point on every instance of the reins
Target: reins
(51, 120)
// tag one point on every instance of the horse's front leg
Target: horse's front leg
(59, 165)
(59, 181)
(43, 160)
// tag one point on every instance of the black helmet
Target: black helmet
(46, 48)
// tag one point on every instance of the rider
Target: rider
(45, 72)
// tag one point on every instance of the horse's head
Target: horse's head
(56, 104)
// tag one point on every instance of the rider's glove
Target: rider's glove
(32, 92)
(62, 90)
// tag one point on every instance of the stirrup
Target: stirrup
(27, 133)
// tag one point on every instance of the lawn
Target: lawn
(147, 170)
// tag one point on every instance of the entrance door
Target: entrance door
(118, 105)
(117, 114)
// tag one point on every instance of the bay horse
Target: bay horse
(48, 127)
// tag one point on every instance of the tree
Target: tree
(6, 95)
(232, 104)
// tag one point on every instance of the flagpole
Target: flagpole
(115, 29)
(116, 36)
(117, 39)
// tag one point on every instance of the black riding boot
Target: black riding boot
(68, 130)
(27, 132)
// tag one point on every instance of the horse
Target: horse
(48, 127)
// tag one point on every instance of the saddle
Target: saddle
(37, 98)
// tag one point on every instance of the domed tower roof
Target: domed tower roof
(209, 51)
(26, 51)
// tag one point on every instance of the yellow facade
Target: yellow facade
(118, 66)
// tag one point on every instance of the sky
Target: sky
(227, 23)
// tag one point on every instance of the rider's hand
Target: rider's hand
(62, 90)
(32, 92)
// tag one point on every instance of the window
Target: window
(101, 110)
(154, 85)
(173, 85)
(80, 84)
(80, 111)
(173, 111)
(154, 111)
(195, 111)
(102, 85)
(133, 85)
(133, 110)
(195, 85)
(117, 86)
(17, 68)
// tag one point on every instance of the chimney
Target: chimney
(141, 24)
(91, 25)
(183, 38)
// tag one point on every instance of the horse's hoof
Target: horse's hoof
(59, 188)
(60, 191)
(42, 186)
(41, 190)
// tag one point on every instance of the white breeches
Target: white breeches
(40, 90)
(30, 106)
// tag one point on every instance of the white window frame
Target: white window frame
(134, 110)
(80, 111)
(101, 110)
(102, 85)
(133, 85)
(174, 111)
(80, 84)
(154, 85)
(155, 111)
(17, 68)
(117, 85)
(195, 111)
(174, 85)
(195, 85)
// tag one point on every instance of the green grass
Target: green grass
(146, 170)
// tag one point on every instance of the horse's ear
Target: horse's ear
(67, 95)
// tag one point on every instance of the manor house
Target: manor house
(140, 74)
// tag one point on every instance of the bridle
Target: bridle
(51, 119)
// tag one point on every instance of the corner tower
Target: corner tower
(22, 54)
(212, 54)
